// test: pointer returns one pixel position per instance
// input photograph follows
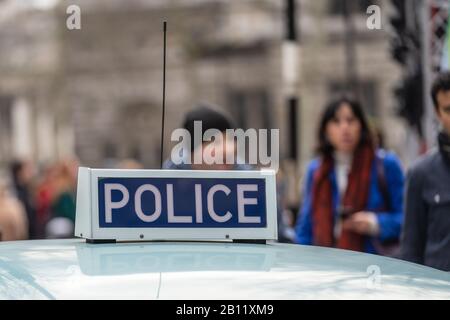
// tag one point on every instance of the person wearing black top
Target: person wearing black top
(426, 233)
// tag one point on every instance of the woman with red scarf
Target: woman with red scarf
(353, 197)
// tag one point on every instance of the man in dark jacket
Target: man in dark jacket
(426, 234)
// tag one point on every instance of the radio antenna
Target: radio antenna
(164, 93)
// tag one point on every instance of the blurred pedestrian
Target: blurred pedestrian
(354, 192)
(13, 219)
(45, 194)
(22, 172)
(63, 205)
(426, 232)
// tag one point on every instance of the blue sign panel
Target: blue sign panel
(182, 203)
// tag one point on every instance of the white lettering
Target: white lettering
(198, 203)
(170, 211)
(211, 211)
(198, 155)
(213, 153)
(109, 205)
(181, 152)
(374, 21)
(138, 205)
(241, 188)
(73, 22)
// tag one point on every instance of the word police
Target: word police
(176, 202)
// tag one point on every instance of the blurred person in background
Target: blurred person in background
(426, 231)
(23, 172)
(13, 219)
(63, 204)
(44, 198)
(285, 213)
(212, 119)
(354, 192)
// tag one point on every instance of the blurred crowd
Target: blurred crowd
(356, 194)
(38, 202)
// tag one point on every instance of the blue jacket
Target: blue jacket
(389, 222)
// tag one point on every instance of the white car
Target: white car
(74, 269)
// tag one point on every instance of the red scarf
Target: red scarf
(355, 197)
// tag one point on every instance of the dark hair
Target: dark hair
(441, 83)
(325, 148)
(210, 118)
(16, 166)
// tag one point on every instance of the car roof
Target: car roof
(73, 269)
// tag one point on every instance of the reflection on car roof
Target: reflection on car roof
(73, 269)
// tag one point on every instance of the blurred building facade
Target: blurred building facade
(97, 92)
(99, 89)
(30, 97)
(221, 52)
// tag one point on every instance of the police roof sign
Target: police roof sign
(132, 205)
